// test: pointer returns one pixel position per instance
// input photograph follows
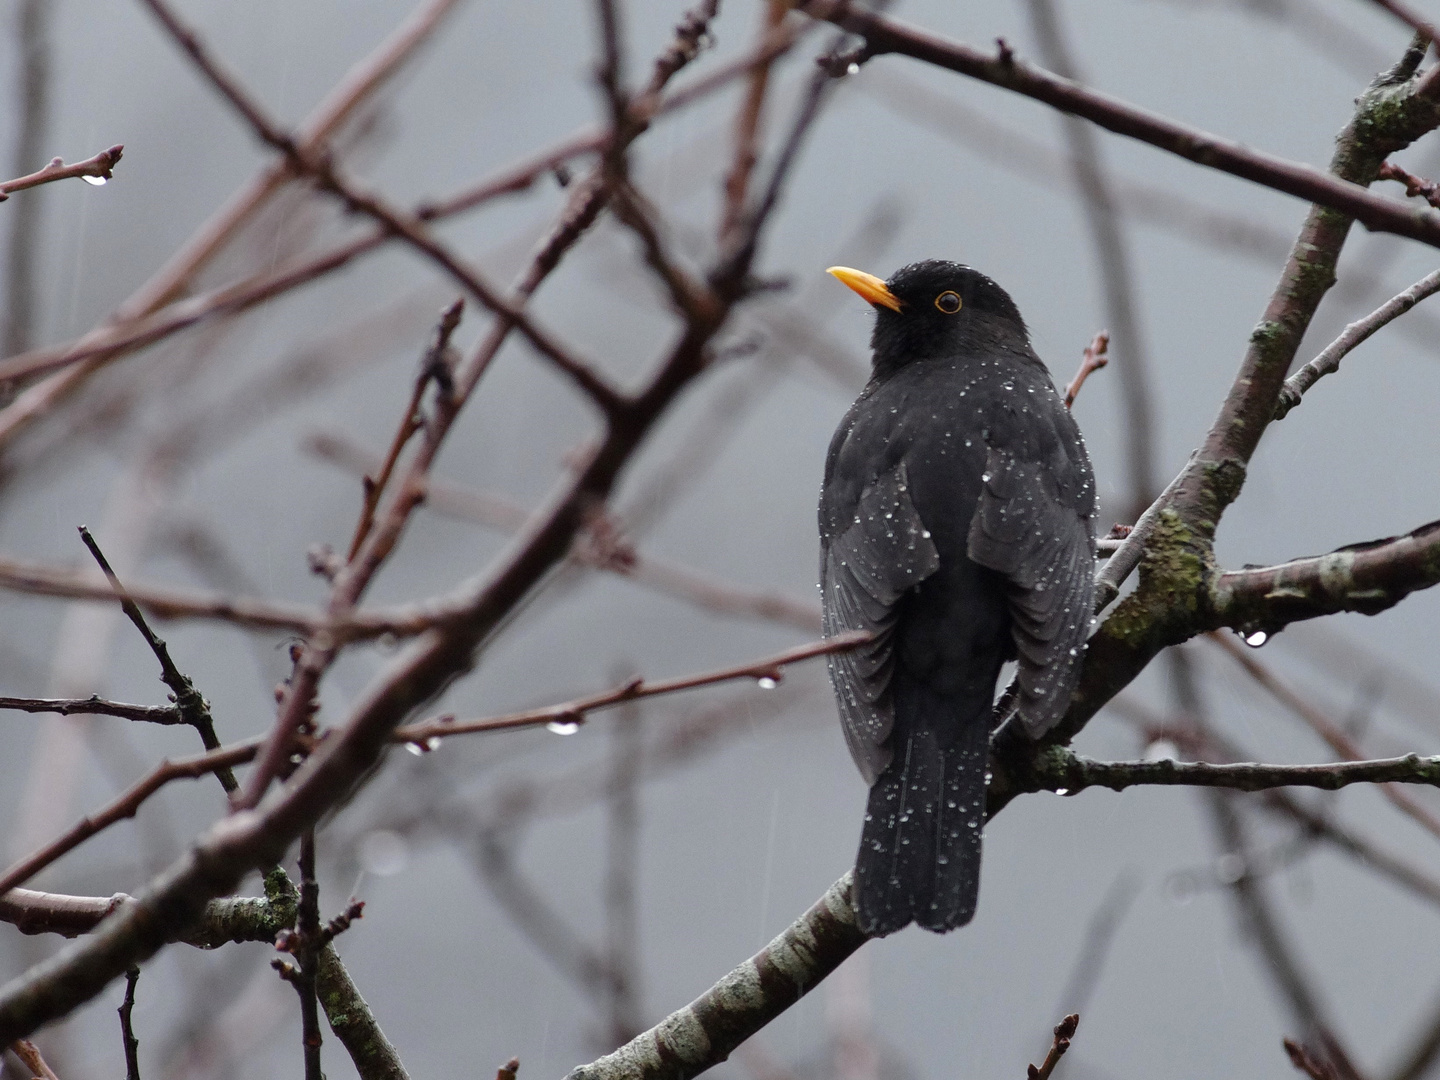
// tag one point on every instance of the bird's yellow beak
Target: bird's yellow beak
(867, 285)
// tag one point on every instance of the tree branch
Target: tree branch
(885, 35)
(767, 671)
(96, 168)
(708, 1030)
(1328, 360)
(95, 706)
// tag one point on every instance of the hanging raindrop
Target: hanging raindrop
(1258, 638)
(94, 181)
(563, 727)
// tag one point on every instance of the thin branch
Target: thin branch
(886, 35)
(1322, 725)
(1305, 1063)
(95, 706)
(404, 225)
(1066, 773)
(768, 671)
(191, 703)
(361, 82)
(307, 953)
(1415, 187)
(1210, 745)
(747, 127)
(218, 858)
(126, 806)
(1091, 361)
(249, 613)
(435, 366)
(29, 1053)
(507, 516)
(1265, 928)
(127, 1027)
(1064, 1032)
(1328, 360)
(96, 168)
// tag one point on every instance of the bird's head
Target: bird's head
(936, 308)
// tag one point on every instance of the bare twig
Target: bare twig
(1064, 1032)
(767, 672)
(1415, 187)
(96, 168)
(1093, 360)
(1303, 1062)
(95, 706)
(747, 127)
(29, 1053)
(191, 703)
(166, 602)
(509, 1070)
(360, 83)
(127, 1026)
(1328, 360)
(886, 35)
(126, 806)
(435, 366)
(403, 224)
(1333, 735)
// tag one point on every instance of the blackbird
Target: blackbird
(957, 524)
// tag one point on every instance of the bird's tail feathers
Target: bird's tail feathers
(919, 856)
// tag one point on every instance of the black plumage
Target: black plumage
(957, 522)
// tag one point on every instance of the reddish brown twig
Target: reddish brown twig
(29, 1053)
(172, 279)
(747, 127)
(1092, 360)
(768, 671)
(125, 806)
(1415, 186)
(1305, 1063)
(509, 1070)
(435, 366)
(1064, 1032)
(96, 168)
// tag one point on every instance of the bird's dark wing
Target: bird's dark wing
(864, 571)
(1035, 524)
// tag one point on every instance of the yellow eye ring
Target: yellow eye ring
(948, 302)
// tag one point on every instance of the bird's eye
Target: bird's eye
(948, 302)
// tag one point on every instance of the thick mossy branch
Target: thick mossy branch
(706, 1031)
(1366, 578)
(353, 1023)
